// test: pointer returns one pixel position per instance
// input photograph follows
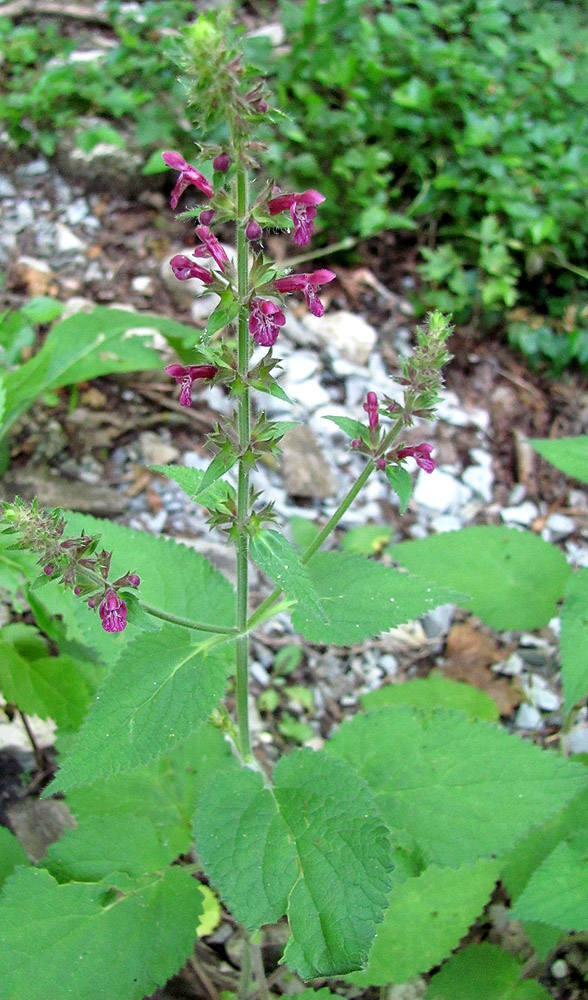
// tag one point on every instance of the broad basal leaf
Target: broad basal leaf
(50, 686)
(514, 578)
(431, 777)
(11, 854)
(162, 688)
(64, 942)
(362, 598)
(425, 920)
(557, 893)
(573, 643)
(434, 691)
(276, 557)
(485, 972)
(312, 846)
(568, 454)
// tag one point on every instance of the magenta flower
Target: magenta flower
(307, 283)
(421, 454)
(265, 321)
(185, 268)
(206, 216)
(301, 208)
(371, 408)
(186, 375)
(188, 175)
(113, 612)
(212, 247)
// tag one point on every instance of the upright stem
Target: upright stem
(242, 642)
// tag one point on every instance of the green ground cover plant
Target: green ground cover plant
(380, 850)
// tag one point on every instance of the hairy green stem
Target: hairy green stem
(243, 417)
(187, 622)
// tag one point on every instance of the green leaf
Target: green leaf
(431, 778)
(162, 688)
(401, 482)
(221, 317)
(139, 821)
(434, 691)
(81, 348)
(425, 920)
(303, 531)
(573, 641)
(568, 454)
(190, 480)
(211, 915)
(2, 399)
(16, 565)
(276, 557)
(500, 569)
(11, 854)
(366, 540)
(362, 598)
(220, 464)
(486, 972)
(312, 846)
(82, 940)
(352, 428)
(42, 309)
(557, 892)
(50, 687)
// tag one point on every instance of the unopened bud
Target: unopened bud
(133, 580)
(77, 591)
(381, 463)
(356, 443)
(48, 570)
(91, 603)
(206, 216)
(222, 162)
(253, 230)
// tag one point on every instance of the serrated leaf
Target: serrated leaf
(486, 972)
(362, 598)
(425, 920)
(190, 481)
(430, 776)
(557, 892)
(220, 464)
(271, 388)
(81, 940)
(312, 846)
(434, 691)
(498, 567)
(162, 688)
(49, 686)
(401, 482)
(276, 557)
(11, 854)
(568, 454)
(353, 428)
(221, 317)
(573, 643)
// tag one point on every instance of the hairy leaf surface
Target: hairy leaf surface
(486, 972)
(431, 777)
(276, 557)
(557, 892)
(434, 691)
(312, 846)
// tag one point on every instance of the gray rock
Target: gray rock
(344, 334)
(560, 969)
(511, 667)
(25, 215)
(539, 693)
(309, 394)
(528, 717)
(480, 479)
(441, 492)
(576, 741)
(143, 284)
(77, 304)
(305, 468)
(106, 167)
(67, 241)
(77, 211)
(38, 823)
(35, 168)
(155, 451)
(558, 527)
(524, 514)
(7, 188)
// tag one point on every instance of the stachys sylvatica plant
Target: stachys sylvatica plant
(379, 850)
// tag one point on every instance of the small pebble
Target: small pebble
(560, 969)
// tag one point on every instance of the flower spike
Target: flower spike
(302, 209)
(188, 175)
(185, 376)
(307, 283)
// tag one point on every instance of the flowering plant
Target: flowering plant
(335, 840)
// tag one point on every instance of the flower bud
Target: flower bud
(206, 216)
(48, 570)
(77, 591)
(222, 162)
(91, 603)
(133, 580)
(381, 463)
(253, 230)
(356, 443)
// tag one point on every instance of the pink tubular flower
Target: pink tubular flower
(301, 208)
(421, 454)
(265, 321)
(307, 283)
(113, 612)
(185, 268)
(212, 247)
(188, 175)
(371, 408)
(185, 376)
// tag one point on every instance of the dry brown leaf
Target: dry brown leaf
(469, 654)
